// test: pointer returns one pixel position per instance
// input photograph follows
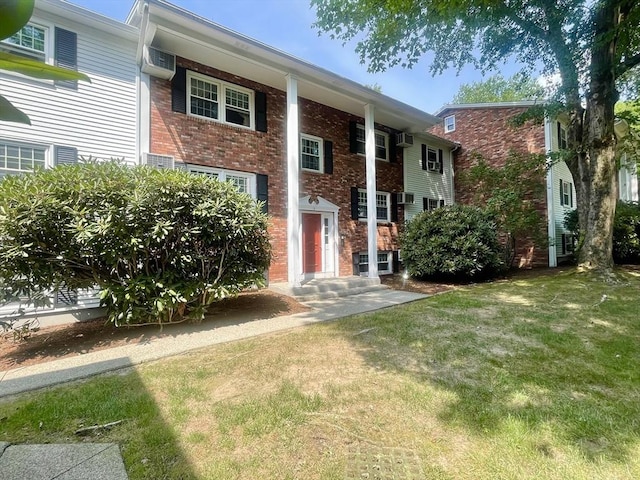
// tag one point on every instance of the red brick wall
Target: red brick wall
(486, 131)
(219, 145)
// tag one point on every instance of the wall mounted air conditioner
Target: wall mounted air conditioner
(158, 161)
(404, 139)
(158, 63)
(405, 198)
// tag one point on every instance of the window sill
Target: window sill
(220, 122)
(308, 170)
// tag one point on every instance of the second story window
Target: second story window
(205, 95)
(382, 143)
(449, 123)
(29, 41)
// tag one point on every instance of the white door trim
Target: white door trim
(330, 252)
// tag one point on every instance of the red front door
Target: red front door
(311, 242)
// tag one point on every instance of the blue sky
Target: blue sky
(287, 25)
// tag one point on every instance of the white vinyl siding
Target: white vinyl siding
(425, 184)
(561, 173)
(99, 118)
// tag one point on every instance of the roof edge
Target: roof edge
(463, 106)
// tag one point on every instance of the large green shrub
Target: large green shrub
(161, 244)
(626, 232)
(458, 242)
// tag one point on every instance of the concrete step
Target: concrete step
(325, 288)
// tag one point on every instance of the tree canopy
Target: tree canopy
(592, 45)
(496, 88)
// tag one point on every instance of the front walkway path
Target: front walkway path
(191, 337)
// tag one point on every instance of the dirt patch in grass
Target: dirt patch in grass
(62, 341)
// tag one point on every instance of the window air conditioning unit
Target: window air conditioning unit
(158, 63)
(158, 161)
(405, 198)
(404, 139)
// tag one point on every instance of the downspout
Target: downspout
(453, 188)
(551, 222)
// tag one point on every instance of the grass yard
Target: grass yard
(533, 378)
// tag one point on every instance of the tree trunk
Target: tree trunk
(593, 143)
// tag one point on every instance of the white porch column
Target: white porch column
(294, 267)
(551, 185)
(372, 223)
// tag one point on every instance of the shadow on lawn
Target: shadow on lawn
(148, 445)
(576, 375)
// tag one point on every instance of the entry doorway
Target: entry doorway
(318, 237)
(311, 243)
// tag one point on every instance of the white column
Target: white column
(551, 185)
(372, 223)
(293, 198)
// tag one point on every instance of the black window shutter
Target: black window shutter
(425, 203)
(262, 190)
(394, 207)
(441, 160)
(328, 156)
(179, 90)
(441, 203)
(353, 142)
(396, 261)
(424, 156)
(564, 244)
(571, 195)
(559, 128)
(65, 155)
(66, 54)
(392, 147)
(561, 195)
(354, 203)
(355, 260)
(261, 111)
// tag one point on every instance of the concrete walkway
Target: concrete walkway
(33, 377)
(97, 461)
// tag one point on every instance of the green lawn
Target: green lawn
(532, 378)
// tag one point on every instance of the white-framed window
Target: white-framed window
(385, 263)
(433, 162)
(31, 41)
(244, 182)
(449, 123)
(568, 245)
(566, 193)
(383, 206)
(382, 143)
(562, 137)
(224, 102)
(311, 153)
(432, 203)
(16, 158)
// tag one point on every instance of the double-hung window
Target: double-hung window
(385, 262)
(433, 162)
(383, 206)
(449, 123)
(30, 41)
(18, 158)
(431, 203)
(381, 142)
(311, 153)
(221, 101)
(244, 182)
(562, 137)
(566, 193)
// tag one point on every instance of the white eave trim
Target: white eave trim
(87, 17)
(465, 106)
(280, 61)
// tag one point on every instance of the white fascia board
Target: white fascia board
(430, 137)
(171, 17)
(463, 106)
(87, 17)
